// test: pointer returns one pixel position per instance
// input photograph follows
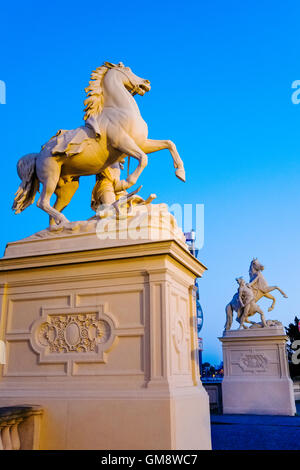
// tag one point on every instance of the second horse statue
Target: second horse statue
(244, 301)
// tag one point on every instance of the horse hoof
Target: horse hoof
(270, 309)
(285, 296)
(180, 173)
(72, 226)
(56, 228)
(59, 226)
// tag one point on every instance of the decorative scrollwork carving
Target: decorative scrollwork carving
(250, 362)
(74, 333)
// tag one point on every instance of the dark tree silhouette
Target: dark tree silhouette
(294, 334)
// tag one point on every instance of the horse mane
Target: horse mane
(253, 272)
(251, 266)
(94, 101)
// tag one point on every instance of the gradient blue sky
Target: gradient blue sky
(221, 75)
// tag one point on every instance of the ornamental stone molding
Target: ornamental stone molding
(253, 362)
(78, 333)
(180, 335)
(73, 334)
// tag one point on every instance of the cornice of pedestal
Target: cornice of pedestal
(254, 334)
(129, 250)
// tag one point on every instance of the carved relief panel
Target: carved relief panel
(64, 334)
(253, 361)
(180, 331)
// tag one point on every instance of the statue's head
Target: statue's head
(132, 82)
(240, 281)
(95, 94)
(256, 265)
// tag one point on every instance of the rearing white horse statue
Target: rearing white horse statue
(259, 285)
(113, 129)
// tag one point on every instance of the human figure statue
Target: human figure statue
(108, 187)
(243, 302)
(248, 305)
(108, 196)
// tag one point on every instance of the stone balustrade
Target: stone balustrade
(297, 390)
(20, 427)
(214, 391)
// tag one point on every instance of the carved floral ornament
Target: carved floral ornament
(73, 333)
(253, 362)
(69, 333)
(179, 333)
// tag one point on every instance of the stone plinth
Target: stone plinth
(256, 376)
(102, 335)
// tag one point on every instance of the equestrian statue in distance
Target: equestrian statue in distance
(244, 301)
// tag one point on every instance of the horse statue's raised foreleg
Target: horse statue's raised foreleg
(121, 141)
(270, 288)
(269, 296)
(266, 293)
(150, 146)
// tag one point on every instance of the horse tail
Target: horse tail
(27, 190)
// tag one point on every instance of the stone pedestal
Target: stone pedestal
(256, 377)
(101, 333)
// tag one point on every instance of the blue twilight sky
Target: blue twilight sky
(221, 75)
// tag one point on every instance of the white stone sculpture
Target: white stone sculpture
(244, 301)
(259, 285)
(113, 129)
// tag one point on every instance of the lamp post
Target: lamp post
(191, 239)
